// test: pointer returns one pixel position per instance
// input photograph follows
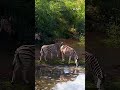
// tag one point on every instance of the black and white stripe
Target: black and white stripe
(52, 50)
(23, 58)
(93, 66)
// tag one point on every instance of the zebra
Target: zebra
(6, 25)
(37, 36)
(69, 52)
(93, 66)
(52, 49)
(23, 58)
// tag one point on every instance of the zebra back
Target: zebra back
(25, 55)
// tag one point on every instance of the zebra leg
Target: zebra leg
(99, 84)
(76, 62)
(41, 55)
(63, 57)
(51, 56)
(45, 57)
(24, 72)
(57, 54)
(16, 67)
(69, 59)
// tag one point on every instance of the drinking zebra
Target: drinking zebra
(52, 50)
(23, 58)
(69, 52)
(93, 66)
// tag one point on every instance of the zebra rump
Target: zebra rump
(24, 58)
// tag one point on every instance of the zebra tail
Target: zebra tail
(16, 60)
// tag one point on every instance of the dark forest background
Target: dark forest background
(22, 13)
(22, 23)
(102, 38)
(103, 16)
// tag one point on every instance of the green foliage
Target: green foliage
(82, 41)
(113, 33)
(104, 17)
(56, 19)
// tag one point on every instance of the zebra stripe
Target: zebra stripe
(67, 51)
(52, 50)
(24, 57)
(94, 66)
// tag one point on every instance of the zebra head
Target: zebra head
(37, 36)
(6, 25)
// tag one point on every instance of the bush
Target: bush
(54, 19)
(113, 34)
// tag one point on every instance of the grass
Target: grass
(59, 62)
(6, 85)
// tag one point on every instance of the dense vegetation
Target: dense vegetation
(22, 13)
(104, 16)
(57, 19)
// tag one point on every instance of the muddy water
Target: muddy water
(48, 77)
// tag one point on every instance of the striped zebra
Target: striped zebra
(52, 50)
(67, 51)
(93, 66)
(23, 58)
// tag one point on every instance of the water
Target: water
(77, 84)
(60, 77)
